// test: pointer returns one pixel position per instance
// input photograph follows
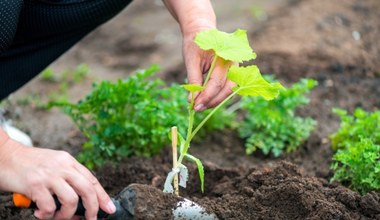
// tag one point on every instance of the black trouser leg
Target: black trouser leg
(45, 30)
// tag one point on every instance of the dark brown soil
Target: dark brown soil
(280, 191)
(334, 42)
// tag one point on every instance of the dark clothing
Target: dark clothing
(33, 33)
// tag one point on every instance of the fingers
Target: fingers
(105, 202)
(68, 199)
(45, 172)
(225, 92)
(66, 178)
(217, 88)
(45, 203)
(197, 63)
(85, 189)
(194, 73)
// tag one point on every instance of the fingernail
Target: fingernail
(199, 107)
(111, 207)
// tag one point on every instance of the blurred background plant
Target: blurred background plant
(356, 161)
(62, 83)
(273, 127)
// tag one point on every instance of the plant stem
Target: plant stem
(192, 134)
(192, 113)
(212, 67)
(189, 129)
(191, 116)
(211, 113)
(234, 107)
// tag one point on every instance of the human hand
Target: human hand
(198, 63)
(195, 16)
(39, 173)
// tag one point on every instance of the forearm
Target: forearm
(3, 137)
(193, 15)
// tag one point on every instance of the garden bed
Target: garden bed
(332, 42)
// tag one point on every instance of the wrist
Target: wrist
(11, 166)
(189, 30)
(8, 149)
(193, 16)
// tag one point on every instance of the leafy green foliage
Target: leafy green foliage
(193, 87)
(220, 120)
(47, 75)
(352, 127)
(358, 164)
(272, 126)
(70, 76)
(128, 117)
(229, 46)
(250, 82)
(357, 145)
(200, 168)
(58, 89)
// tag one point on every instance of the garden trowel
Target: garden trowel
(137, 202)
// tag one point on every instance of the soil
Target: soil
(334, 42)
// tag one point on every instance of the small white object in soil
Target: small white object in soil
(187, 210)
(356, 35)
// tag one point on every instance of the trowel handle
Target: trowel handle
(22, 201)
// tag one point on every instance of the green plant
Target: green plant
(125, 118)
(47, 75)
(77, 75)
(229, 48)
(352, 127)
(358, 164)
(71, 76)
(273, 126)
(357, 145)
(62, 83)
(258, 13)
(67, 79)
(128, 118)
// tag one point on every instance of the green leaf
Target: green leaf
(230, 46)
(193, 87)
(251, 83)
(200, 170)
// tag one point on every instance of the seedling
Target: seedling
(233, 48)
